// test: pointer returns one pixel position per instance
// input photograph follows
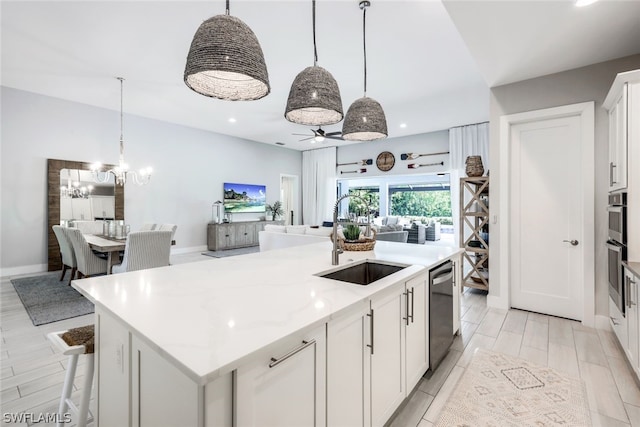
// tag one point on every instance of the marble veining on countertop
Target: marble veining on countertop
(207, 316)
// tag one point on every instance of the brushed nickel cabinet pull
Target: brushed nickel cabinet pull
(371, 331)
(304, 345)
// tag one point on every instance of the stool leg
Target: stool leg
(68, 385)
(86, 392)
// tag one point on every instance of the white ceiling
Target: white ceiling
(419, 66)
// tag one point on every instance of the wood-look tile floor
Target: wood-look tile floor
(590, 354)
(32, 370)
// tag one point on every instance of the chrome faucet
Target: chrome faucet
(336, 251)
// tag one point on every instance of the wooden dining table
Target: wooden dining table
(108, 245)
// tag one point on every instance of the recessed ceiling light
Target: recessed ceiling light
(232, 120)
(279, 143)
(582, 3)
(403, 125)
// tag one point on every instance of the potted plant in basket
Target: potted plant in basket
(275, 209)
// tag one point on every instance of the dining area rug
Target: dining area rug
(499, 390)
(48, 300)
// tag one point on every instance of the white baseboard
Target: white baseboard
(23, 269)
(602, 322)
(179, 251)
(497, 302)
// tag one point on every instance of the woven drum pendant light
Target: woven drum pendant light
(314, 98)
(365, 119)
(225, 61)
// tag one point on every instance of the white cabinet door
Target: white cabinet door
(618, 324)
(348, 369)
(618, 142)
(286, 386)
(387, 354)
(112, 371)
(416, 322)
(633, 350)
(81, 209)
(66, 212)
(162, 396)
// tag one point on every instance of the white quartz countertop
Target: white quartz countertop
(206, 317)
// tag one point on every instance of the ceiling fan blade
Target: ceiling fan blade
(306, 139)
(333, 133)
(301, 134)
(339, 138)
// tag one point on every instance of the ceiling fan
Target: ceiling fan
(319, 135)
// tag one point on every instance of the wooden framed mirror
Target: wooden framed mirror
(54, 167)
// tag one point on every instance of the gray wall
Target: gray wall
(190, 166)
(584, 84)
(432, 142)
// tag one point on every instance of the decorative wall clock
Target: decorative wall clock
(385, 161)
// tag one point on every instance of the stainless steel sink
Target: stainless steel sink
(363, 273)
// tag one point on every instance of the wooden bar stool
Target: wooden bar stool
(73, 343)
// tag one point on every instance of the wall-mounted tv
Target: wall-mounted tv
(244, 197)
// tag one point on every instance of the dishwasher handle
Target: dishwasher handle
(442, 279)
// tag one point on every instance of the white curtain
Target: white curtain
(286, 190)
(464, 141)
(318, 185)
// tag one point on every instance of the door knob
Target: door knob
(573, 242)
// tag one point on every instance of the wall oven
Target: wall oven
(616, 253)
(616, 248)
(617, 215)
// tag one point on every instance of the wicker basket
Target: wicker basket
(365, 244)
(360, 245)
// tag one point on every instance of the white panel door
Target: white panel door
(547, 217)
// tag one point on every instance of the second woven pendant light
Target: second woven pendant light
(365, 119)
(314, 98)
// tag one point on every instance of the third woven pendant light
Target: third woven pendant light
(365, 119)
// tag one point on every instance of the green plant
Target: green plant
(275, 209)
(351, 232)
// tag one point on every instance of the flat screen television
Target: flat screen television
(239, 198)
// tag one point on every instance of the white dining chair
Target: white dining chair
(170, 227)
(66, 252)
(148, 226)
(89, 264)
(145, 249)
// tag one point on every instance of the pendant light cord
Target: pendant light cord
(364, 44)
(315, 49)
(227, 8)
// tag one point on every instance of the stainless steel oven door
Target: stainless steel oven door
(617, 220)
(615, 253)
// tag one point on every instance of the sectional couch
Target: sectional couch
(284, 236)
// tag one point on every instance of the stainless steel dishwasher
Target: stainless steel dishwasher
(440, 312)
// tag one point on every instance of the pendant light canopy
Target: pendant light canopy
(314, 98)
(365, 120)
(225, 61)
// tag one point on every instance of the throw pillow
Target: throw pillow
(392, 220)
(275, 228)
(296, 229)
(321, 231)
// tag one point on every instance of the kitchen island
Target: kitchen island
(191, 344)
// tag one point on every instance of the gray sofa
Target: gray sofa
(392, 233)
(393, 236)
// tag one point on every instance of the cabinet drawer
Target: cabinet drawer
(619, 324)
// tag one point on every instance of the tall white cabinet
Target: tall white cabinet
(623, 106)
